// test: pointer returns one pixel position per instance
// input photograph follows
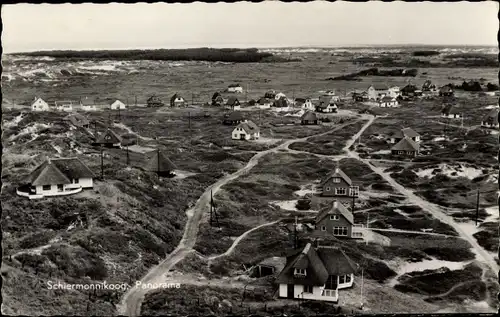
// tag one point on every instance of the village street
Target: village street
(131, 301)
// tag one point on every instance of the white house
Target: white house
(394, 92)
(327, 107)
(117, 105)
(235, 88)
(304, 103)
(39, 105)
(405, 132)
(57, 177)
(88, 107)
(388, 102)
(377, 92)
(264, 103)
(64, 106)
(246, 130)
(316, 274)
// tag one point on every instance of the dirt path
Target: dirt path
(131, 301)
(432, 208)
(414, 232)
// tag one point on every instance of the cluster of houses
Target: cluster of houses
(85, 104)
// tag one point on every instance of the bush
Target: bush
(303, 204)
(36, 239)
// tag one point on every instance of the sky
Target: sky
(30, 27)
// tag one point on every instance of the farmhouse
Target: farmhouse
(177, 101)
(280, 103)
(308, 118)
(235, 88)
(271, 94)
(359, 95)
(117, 105)
(336, 220)
(327, 107)
(428, 86)
(64, 105)
(394, 92)
(217, 99)
(157, 162)
(233, 118)
(154, 101)
(448, 111)
(264, 103)
(87, 104)
(446, 91)
(405, 147)
(405, 132)
(57, 177)
(39, 105)
(387, 102)
(338, 184)
(77, 120)
(316, 274)
(491, 119)
(233, 103)
(304, 103)
(410, 91)
(109, 139)
(377, 92)
(246, 130)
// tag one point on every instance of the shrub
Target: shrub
(303, 204)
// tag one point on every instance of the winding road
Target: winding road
(130, 304)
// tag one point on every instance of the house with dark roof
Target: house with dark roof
(324, 107)
(264, 103)
(446, 91)
(233, 118)
(217, 99)
(177, 101)
(406, 147)
(233, 103)
(280, 103)
(109, 139)
(336, 220)
(77, 120)
(157, 162)
(63, 105)
(491, 119)
(270, 94)
(316, 274)
(359, 95)
(388, 102)
(449, 111)
(304, 103)
(57, 177)
(375, 92)
(246, 130)
(405, 132)
(154, 101)
(410, 90)
(309, 118)
(338, 184)
(428, 86)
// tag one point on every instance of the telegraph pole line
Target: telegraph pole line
(477, 207)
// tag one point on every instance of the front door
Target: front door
(242, 136)
(289, 292)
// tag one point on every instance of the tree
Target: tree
(303, 204)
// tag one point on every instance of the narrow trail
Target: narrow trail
(415, 232)
(130, 304)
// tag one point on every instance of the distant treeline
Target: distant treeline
(230, 55)
(426, 53)
(377, 72)
(474, 85)
(464, 60)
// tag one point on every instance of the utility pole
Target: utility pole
(477, 207)
(102, 164)
(128, 157)
(353, 198)
(362, 285)
(246, 94)
(119, 116)
(295, 237)
(95, 130)
(211, 206)
(192, 99)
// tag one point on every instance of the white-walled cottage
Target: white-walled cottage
(39, 105)
(117, 105)
(246, 130)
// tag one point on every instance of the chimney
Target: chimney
(335, 204)
(48, 161)
(336, 169)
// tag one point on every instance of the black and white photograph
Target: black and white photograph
(250, 158)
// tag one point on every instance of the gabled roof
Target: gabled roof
(387, 99)
(234, 116)
(446, 89)
(409, 88)
(175, 96)
(335, 207)
(156, 161)
(117, 102)
(409, 132)
(309, 116)
(77, 119)
(113, 137)
(87, 101)
(234, 85)
(263, 101)
(154, 100)
(59, 171)
(316, 272)
(249, 127)
(232, 101)
(324, 105)
(380, 87)
(336, 261)
(406, 144)
(38, 99)
(337, 172)
(301, 100)
(448, 109)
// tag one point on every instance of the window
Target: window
(340, 191)
(348, 278)
(308, 289)
(323, 228)
(341, 279)
(327, 189)
(334, 217)
(328, 292)
(107, 137)
(46, 187)
(300, 272)
(340, 231)
(354, 191)
(336, 180)
(60, 187)
(76, 181)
